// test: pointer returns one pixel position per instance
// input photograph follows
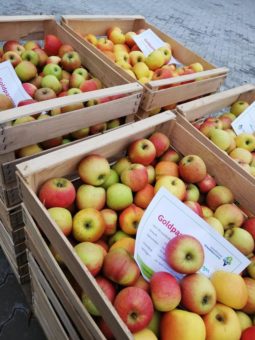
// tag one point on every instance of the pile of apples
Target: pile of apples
(47, 72)
(122, 50)
(100, 218)
(219, 130)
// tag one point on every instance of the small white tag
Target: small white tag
(175, 61)
(148, 42)
(10, 85)
(245, 122)
(166, 217)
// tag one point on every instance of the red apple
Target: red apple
(249, 225)
(88, 85)
(195, 206)
(30, 89)
(206, 184)
(165, 291)
(192, 169)
(110, 220)
(135, 308)
(94, 169)
(136, 177)
(184, 254)
(63, 218)
(142, 151)
(52, 44)
(57, 192)
(70, 61)
(120, 267)
(143, 197)
(161, 142)
(248, 333)
(129, 219)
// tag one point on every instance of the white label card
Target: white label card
(245, 122)
(166, 217)
(10, 85)
(148, 41)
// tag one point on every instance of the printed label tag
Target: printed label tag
(10, 85)
(245, 122)
(167, 217)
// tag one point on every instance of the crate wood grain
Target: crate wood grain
(18, 262)
(39, 285)
(58, 281)
(32, 174)
(209, 80)
(201, 108)
(13, 138)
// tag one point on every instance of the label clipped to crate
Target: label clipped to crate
(167, 217)
(245, 122)
(148, 41)
(10, 85)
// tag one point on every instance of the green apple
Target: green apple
(88, 196)
(112, 178)
(31, 56)
(155, 60)
(241, 239)
(53, 69)
(238, 107)
(118, 196)
(229, 215)
(221, 138)
(52, 82)
(63, 218)
(245, 141)
(26, 70)
(82, 72)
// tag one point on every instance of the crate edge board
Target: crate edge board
(188, 109)
(10, 18)
(45, 260)
(27, 169)
(33, 266)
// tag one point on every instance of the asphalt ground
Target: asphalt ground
(223, 32)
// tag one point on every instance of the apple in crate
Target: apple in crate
(120, 267)
(52, 44)
(88, 225)
(181, 324)
(5, 102)
(13, 45)
(192, 169)
(142, 151)
(249, 308)
(13, 57)
(219, 195)
(135, 308)
(94, 169)
(118, 196)
(198, 294)
(57, 192)
(165, 291)
(136, 177)
(248, 334)
(63, 218)
(108, 289)
(88, 196)
(92, 255)
(222, 323)
(184, 254)
(230, 289)
(25, 70)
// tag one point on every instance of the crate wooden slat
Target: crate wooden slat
(13, 138)
(154, 97)
(43, 309)
(202, 108)
(58, 281)
(18, 262)
(32, 174)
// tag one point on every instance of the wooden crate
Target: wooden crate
(47, 308)
(16, 256)
(11, 219)
(58, 281)
(13, 138)
(33, 173)
(210, 79)
(211, 105)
